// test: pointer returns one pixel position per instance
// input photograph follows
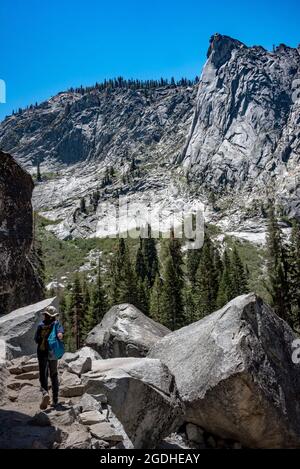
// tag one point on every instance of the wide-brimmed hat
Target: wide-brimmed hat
(51, 311)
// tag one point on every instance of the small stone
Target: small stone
(91, 417)
(99, 444)
(17, 385)
(71, 385)
(80, 366)
(29, 376)
(12, 396)
(105, 431)
(89, 403)
(29, 394)
(64, 418)
(30, 366)
(80, 439)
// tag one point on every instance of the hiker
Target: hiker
(47, 359)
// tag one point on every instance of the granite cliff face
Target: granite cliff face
(236, 132)
(19, 282)
(245, 133)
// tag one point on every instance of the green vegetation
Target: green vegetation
(171, 286)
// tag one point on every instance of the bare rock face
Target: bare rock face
(19, 283)
(235, 374)
(17, 329)
(245, 129)
(142, 394)
(125, 332)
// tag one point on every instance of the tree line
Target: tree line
(123, 83)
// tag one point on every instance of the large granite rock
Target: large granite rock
(125, 332)
(244, 133)
(17, 329)
(19, 282)
(235, 374)
(142, 394)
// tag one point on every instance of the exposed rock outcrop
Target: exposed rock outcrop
(17, 328)
(19, 282)
(235, 374)
(245, 131)
(125, 332)
(142, 394)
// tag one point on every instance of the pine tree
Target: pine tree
(192, 264)
(149, 252)
(76, 313)
(123, 281)
(140, 267)
(189, 306)
(86, 303)
(206, 281)
(225, 290)
(38, 172)
(155, 306)
(277, 267)
(172, 292)
(99, 305)
(142, 298)
(238, 274)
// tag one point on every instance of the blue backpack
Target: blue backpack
(56, 346)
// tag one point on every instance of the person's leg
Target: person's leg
(43, 369)
(54, 379)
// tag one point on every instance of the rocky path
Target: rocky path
(78, 422)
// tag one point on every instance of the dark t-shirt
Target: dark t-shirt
(41, 336)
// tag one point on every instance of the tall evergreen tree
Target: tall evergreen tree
(206, 281)
(225, 290)
(190, 312)
(38, 172)
(123, 280)
(140, 267)
(76, 313)
(192, 264)
(238, 274)
(147, 264)
(157, 312)
(172, 296)
(277, 266)
(98, 304)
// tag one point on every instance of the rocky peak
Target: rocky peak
(220, 48)
(245, 133)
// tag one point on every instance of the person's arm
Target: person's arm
(60, 331)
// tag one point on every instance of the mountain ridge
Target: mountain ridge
(233, 137)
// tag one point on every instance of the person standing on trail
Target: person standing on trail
(46, 358)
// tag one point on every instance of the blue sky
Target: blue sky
(50, 45)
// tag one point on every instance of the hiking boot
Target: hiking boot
(45, 402)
